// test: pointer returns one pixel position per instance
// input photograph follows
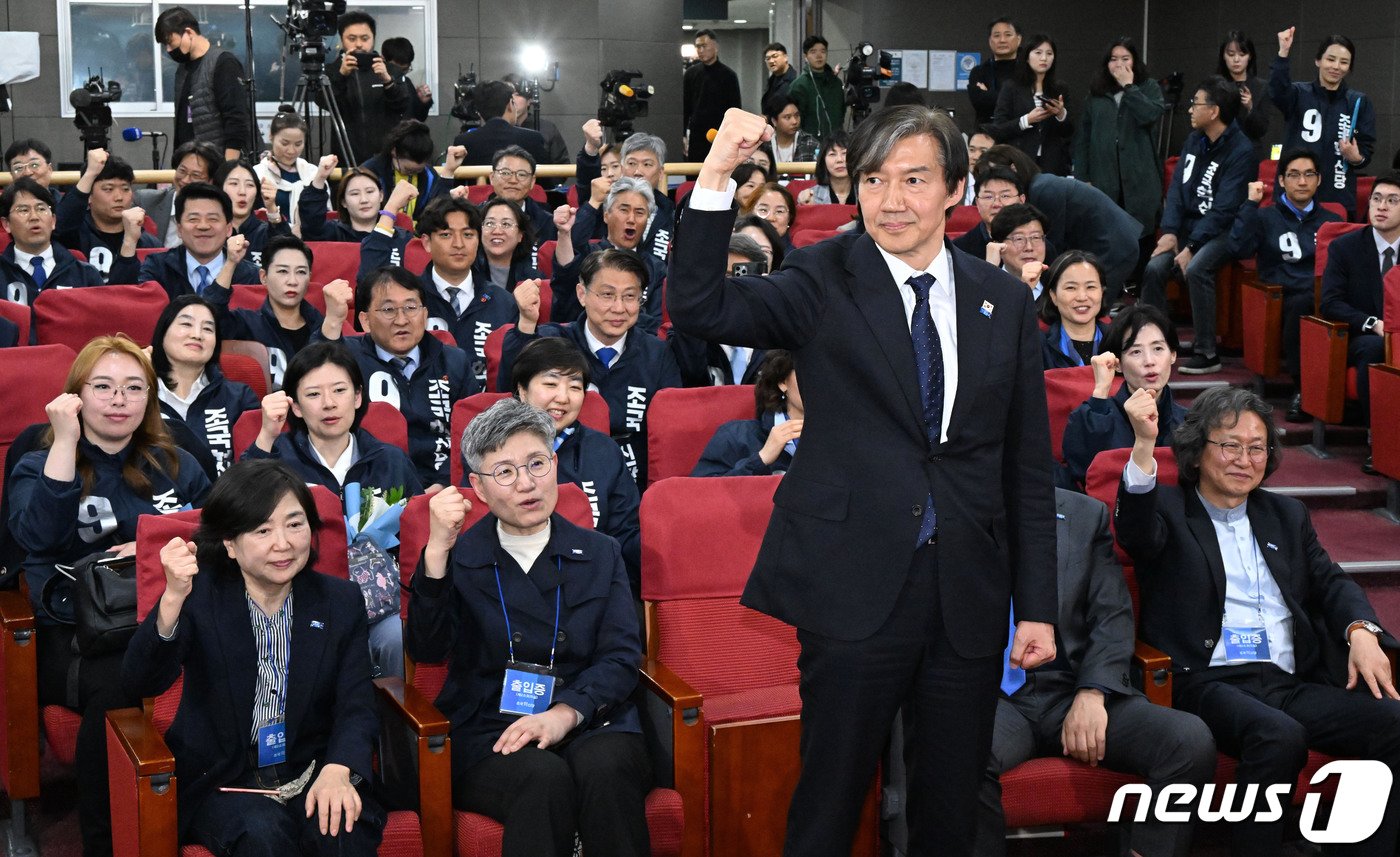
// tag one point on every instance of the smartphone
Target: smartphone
(748, 269)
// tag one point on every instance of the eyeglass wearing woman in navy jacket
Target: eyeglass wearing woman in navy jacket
(185, 352)
(552, 374)
(765, 444)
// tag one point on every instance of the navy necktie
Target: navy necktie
(455, 296)
(1387, 260)
(39, 275)
(401, 364)
(204, 281)
(928, 357)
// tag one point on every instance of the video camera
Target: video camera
(314, 19)
(863, 79)
(623, 102)
(93, 115)
(464, 103)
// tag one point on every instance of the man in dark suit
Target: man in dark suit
(1351, 285)
(709, 88)
(985, 81)
(493, 101)
(922, 499)
(1238, 591)
(1083, 705)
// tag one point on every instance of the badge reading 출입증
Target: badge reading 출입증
(1243, 645)
(526, 689)
(272, 743)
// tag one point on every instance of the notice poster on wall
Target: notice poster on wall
(967, 61)
(942, 70)
(915, 68)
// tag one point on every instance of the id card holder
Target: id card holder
(526, 689)
(272, 743)
(1243, 645)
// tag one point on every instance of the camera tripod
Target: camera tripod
(314, 87)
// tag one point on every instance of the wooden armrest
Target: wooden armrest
(1156, 669)
(415, 760)
(141, 777)
(141, 741)
(19, 707)
(1337, 326)
(671, 688)
(416, 711)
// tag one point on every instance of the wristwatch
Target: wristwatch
(1369, 325)
(1362, 623)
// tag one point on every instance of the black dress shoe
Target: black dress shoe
(1368, 468)
(1295, 410)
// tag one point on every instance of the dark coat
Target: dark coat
(1351, 283)
(67, 273)
(993, 74)
(369, 106)
(733, 451)
(591, 460)
(213, 412)
(1047, 141)
(75, 229)
(1208, 186)
(1116, 149)
(1285, 245)
(261, 325)
(379, 465)
(847, 515)
(494, 135)
(428, 182)
(458, 619)
(330, 700)
(1053, 357)
(1101, 424)
(1333, 112)
(170, 270)
(315, 226)
(1082, 217)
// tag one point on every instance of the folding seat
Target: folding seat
(594, 415)
(1364, 186)
(141, 767)
(1326, 382)
(723, 678)
(683, 190)
(247, 361)
(334, 260)
(495, 343)
(963, 220)
(443, 336)
(1065, 390)
(416, 257)
(823, 216)
(144, 253)
(808, 237)
(479, 193)
(252, 296)
(681, 421)
(544, 262)
(477, 835)
(796, 186)
(1385, 399)
(73, 317)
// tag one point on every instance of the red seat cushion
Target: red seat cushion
(681, 421)
(61, 728)
(1055, 790)
(778, 700)
(480, 836)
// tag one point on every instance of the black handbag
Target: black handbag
(99, 592)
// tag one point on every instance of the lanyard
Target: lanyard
(1067, 347)
(510, 638)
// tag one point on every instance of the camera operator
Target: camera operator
(210, 103)
(371, 99)
(556, 150)
(495, 99)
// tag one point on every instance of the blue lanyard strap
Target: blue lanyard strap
(510, 638)
(1067, 346)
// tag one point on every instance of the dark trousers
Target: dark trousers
(1362, 351)
(1159, 744)
(851, 692)
(1200, 282)
(1295, 306)
(98, 688)
(1268, 719)
(596, 786)
(244, 825)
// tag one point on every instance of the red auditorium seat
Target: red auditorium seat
(1065, 390)
(1364, 186)
(143, 253)
(824, 216)
(594, 415)
(681, 421)
(808, 237)
(252, 296)
(495, 342)
(334, 260)
(963, 220)
(381, 419)
(683, 190)
(1385, 398)
(17, 314)
(544, 262)
(477, 835)
(73, 317)
(416, 257)
(144, 810)
(1326, 382)
(796, 186)
(726, 675)
(247, 361)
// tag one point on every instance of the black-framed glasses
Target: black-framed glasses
(519, 175)
(506, 474)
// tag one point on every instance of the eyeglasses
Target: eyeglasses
(507, 474)
(519, 175)
(776, 210)
(507, 225)
(104, 392)
(1198, 104)
(192, 175)
(1392, 201)
(1294, 175)
(1005, 196)
(1019, 241)
(628, 299)
(25, 210)
(389, 313)
(31, 167)
(1230, 450)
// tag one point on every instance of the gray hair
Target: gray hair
(627, 184)
(744, 245)
(1220, 407)
(875, 137)
(496, 425)
(644, 143)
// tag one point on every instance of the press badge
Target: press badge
(1246, 644)
(272, 743)
(526, 689)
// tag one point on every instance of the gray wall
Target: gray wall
(585, 36)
